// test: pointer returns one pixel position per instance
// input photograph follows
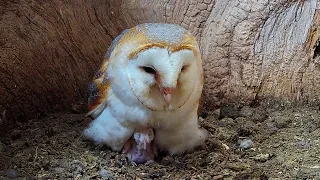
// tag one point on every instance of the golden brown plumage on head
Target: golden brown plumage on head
(151, 78)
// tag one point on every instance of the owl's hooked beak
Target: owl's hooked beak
(166, 92)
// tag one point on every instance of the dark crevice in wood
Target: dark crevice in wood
(316, 49)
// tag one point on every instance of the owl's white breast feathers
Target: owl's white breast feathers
(106, 129)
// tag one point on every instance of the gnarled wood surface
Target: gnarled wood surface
(251, 49)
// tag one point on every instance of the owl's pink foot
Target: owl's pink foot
(140, 149)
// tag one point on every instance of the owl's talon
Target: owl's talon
(133, 164)
(150, 162)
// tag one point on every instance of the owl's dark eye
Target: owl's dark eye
(184, 67)
(149, 70)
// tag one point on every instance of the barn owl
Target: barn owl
(145, 97)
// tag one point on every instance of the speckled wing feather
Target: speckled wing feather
(100, 85)
(98, 91)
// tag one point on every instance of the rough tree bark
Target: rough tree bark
(251, 49)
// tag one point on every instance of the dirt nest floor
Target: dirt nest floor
(263, 142)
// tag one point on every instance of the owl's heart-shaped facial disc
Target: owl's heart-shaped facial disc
(172, 73)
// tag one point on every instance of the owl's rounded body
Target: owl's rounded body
(152, 76)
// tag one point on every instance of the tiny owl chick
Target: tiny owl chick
(146, 95)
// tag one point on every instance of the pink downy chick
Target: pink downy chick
(140, 149)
